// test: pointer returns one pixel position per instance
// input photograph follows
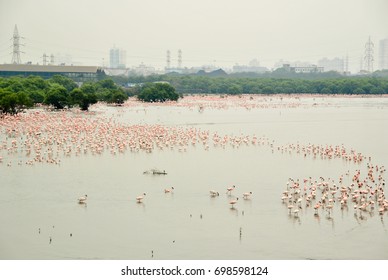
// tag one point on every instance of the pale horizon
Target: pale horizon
(220, 33)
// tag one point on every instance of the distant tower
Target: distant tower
(51, 59)
(368, 56)
(168, 59)
(16, 46)
(347, 64)
(45, 56)
(179, 58)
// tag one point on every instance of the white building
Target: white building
(308, 69)
(383, 54)
(281, 63)
(303, 69)
(117, 58)
(335, 64)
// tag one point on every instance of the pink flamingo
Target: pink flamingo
(169, 190)
(230, 189)
(247, 195)
(82, 199)
(316, 207)
(233, 202)
(140, 198)
(290, 206)
(214, 193)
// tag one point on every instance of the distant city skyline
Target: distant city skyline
(220, 33)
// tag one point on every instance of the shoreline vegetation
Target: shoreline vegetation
(59, 92)
(298, 84)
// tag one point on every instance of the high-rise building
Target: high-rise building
(383, 54)
(117, 58)
(335, 64)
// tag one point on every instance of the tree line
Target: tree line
(263, 85)
(18, 93)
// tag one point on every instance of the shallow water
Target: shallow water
(189, 224)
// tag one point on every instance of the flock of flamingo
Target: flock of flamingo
(364, 190)
(38, 137)
(42, 137)
(363, 193)
(223, 102)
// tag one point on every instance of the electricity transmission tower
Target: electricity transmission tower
(168, 59)
(16, 46)
(368, 56)
(179, 59)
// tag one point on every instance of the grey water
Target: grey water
(41, 219)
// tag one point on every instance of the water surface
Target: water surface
(39, 202)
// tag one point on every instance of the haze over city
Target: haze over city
(218, 32)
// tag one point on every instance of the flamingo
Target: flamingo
(329, 207)
(233, 202)
(229, 190)
(247, 195)
(82, 199)
(290, 207)
(316, 207)
(214, 193)
(169, 190)
(140, 198)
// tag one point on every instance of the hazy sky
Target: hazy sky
(221, 32)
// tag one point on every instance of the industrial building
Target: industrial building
(76, 73)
